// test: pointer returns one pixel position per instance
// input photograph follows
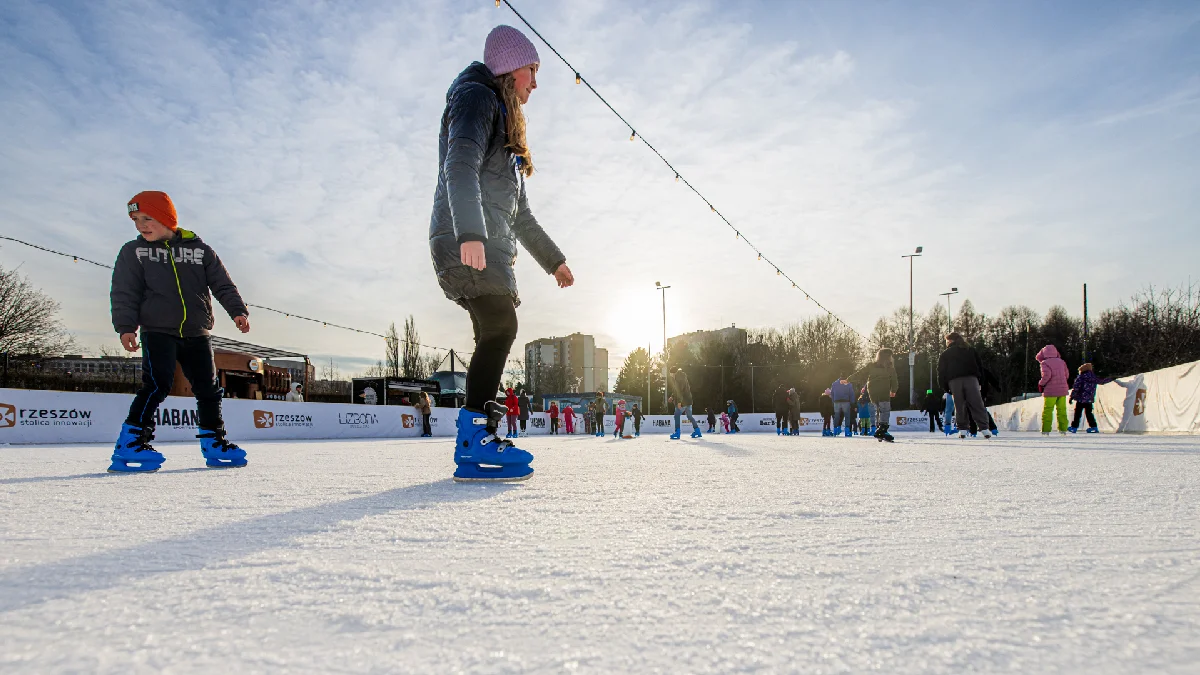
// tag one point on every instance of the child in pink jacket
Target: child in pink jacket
(1054, 388)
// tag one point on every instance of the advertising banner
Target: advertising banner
(76, 417)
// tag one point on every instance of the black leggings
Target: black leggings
(160, 351)
(494, 320)
(1080, 409)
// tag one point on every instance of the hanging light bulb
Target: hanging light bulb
(632, 135)
(676, 178)
(497, 3)
(777, 272)
(760, 256)
(578, 79)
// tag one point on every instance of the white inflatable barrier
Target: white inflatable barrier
(1163, 401)
(28, 416)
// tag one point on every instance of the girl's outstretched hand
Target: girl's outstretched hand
(563, 276)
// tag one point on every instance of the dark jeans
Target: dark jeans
(637, 425)
(732, 422)
(1080, 409)
(935, 416)
(425, 428)
(554, 425)
(599, 425)
(494, 321)
(194, 354)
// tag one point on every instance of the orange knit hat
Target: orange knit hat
(155, 204)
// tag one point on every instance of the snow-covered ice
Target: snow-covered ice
(750, 553)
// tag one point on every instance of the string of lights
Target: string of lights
(290, 315)
(679, 178)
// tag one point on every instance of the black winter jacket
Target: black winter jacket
(934, 404)
(481, 195)
(825, 405)
(959, 360)
(163, 287)
(781, 400)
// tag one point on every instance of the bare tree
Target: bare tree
(392, 349)
(29, 318)
(410, 364)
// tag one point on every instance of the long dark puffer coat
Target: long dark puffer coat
(481, 195)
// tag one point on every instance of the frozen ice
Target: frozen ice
(749, 553)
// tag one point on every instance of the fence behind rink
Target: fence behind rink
(38, 416)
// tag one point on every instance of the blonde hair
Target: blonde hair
(1084, 368)
(515, 123)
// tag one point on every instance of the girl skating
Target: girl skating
(480, 212)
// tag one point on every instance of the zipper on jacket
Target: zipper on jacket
(178, 286)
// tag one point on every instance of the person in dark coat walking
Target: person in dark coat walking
(825, 406)
(781, 410)
(934, 406)
(524, 407)
(480, 212)
(959, 371)
(793, 398)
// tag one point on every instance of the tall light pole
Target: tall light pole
(912, 357)
(949, 317)
(662, 288)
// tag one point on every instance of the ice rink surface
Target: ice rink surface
(729, 554)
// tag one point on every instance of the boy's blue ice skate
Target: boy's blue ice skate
(675, 435)
(133, 454)
(218, 452)
(1073, 429)
(1093, 430)
(849, 433)
(696, 433)
(480, 453)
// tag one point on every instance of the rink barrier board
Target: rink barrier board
(1163, 401)
(48, 417)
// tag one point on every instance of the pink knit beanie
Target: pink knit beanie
(507, 49)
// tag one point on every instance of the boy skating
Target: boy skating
(160, 284)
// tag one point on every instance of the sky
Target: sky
(1030, 148)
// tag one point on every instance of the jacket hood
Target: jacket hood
(1048, 352)
(295, 386)
(476, 73)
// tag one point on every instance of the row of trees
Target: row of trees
(1155, 329)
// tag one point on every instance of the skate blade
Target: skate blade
(125, 468)
(225, 466)
(517, 479)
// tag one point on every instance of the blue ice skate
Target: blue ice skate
(849, 433)
(675, 435)
(132, 452)
(1073, 429)
(480, 453)
(696, 433)
(218, 452)
(1093, 430)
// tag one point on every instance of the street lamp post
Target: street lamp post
(662, 288)
(949, 317)
(912, 357)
